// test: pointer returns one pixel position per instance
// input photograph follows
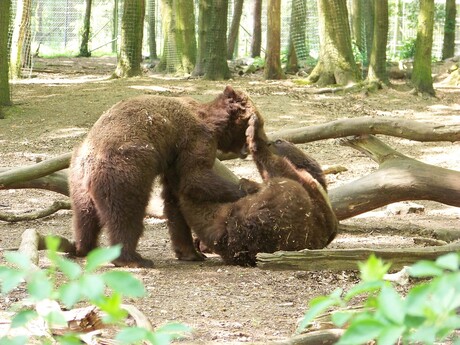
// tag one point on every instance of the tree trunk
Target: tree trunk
(273, 58)
(336, 63)
(256, 42)
(357, 33)
(84, 51)
(216, 54)
(378, 60)
(5, 12)
(168, 60)
(298, 50)
(115, 26)
(184, 13)
(132, 28)
(421, 73)
(20, 55)
(448, 46)
(203, 32)
(152, 30)
(234, 28)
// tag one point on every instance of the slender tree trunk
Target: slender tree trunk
(273, 53)
(204, 10)
(448, 47)
(421, 74)
(152, 31)
(256, 43)
(233, 35)
(377, 65)
(132, 24)
(84, 51)
(216, 60)
(20, 55)
(356, 25)
(5, 12)
(184, 14)
(298, 50)
(336, 63)
(169, 53)
(115, 27)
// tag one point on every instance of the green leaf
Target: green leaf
(364, 287)
(101, 256)
(112, 306)
(56, 318)
(390, 335)
(174, 328)
(69, 339)
(373, 269)
(21, 318)
(39, 285)
(19, 340)
(319, 305)
(425, 268)
(52, 243)
(340, 318)
(71, 269)
(18, 259)
(417, 298)
(124, 283)
(70, 293)
(132, 335)
(391, 305)
(361, 331)
(92, 286)
(10, 278)
(425, 335)
(449, 261)
(167, 333)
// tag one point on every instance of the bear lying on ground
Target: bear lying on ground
(289, 211)
(112, 171)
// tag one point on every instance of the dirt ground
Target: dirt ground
(223, 304)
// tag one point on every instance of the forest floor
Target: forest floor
(223, 304)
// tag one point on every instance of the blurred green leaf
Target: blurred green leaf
(52, 243)
(391, 305)
(71, 269)
(449, 261)
(92, 286)
(39, 285)
(101, 256)
(390, 335)
(21, 318)
(360, 332)
(69, 339)
(112, 306)
(70, 293)
(319, 305)
(124, 282)
(132, 335)
(10, 278)
(18, 259)
(19, 340)
(373, 269)
(364, 288)
(56, 318)
(425, 268)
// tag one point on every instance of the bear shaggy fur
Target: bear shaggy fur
(289, 211)
(112, 171)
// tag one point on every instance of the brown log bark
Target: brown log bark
(401, 128)
(346, 259)
(398, 178)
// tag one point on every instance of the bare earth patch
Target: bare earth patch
(223, 304)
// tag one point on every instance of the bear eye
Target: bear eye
(278, 141)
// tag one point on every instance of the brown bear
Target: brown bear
(112, 171)
(290, 210)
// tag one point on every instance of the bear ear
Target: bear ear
(229, 92)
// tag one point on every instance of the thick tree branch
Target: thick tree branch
(398, 178)
(56, 206)
(346, 259)
(55, 182)
(402, 128)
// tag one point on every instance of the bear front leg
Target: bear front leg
(179, 231)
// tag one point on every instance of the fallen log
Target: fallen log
(347, 259)
(55, 206)
(396, 127)
(398, 178)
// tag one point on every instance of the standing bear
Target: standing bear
(289, 211)
(138, 139)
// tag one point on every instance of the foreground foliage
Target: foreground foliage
(104, 290)
(425, 315)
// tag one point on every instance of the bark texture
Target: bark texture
(448, 46)
(273, 53)
(378, 58)
(5, 97)
(256, 42)
(234, 28)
